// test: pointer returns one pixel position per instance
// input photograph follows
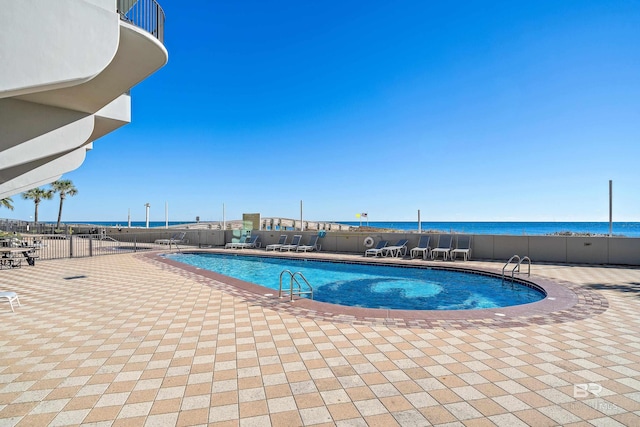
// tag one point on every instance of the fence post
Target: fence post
(70, 246)
(90, 244)
(135, 243)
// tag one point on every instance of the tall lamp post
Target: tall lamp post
(147, 206)
(610, 208)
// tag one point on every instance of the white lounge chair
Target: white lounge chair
(396, 250)
(252, 242)
(242, 241)
(295, 242)
(11, 296)
(377, 250)
(175, 239)
(422, 248)
(444, 247)
(311, 246)
(463, 246)
(274, 246)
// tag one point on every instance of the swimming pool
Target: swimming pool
(373, 286)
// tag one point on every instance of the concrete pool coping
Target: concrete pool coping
(563, 302)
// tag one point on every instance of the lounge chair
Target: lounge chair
(444, 247)
(295, 242)
(463, 246)
(252, 242)
(377, 250)
(174, 240)
(396, 250)
(11, 296)
(311, 246)
(242, 241)
(423, 248)
(274, 246)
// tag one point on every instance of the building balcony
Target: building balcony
(65, 85)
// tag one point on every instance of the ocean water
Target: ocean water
(627, 229)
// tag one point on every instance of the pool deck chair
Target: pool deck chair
(234, 245)
(463, 246)
(175, 239)
(396, 250)
(444, 247)
(295, 242)
(311, 246)
(377, 250)
(281, 241)
(251, 243)
(11, 296)
(423, 248)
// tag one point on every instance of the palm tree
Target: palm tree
(37, 195)
(7, 203)
(65, 188)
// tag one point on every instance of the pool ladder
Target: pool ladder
(295, 288)
(516, 269)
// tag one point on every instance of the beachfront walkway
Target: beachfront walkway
(122, 340)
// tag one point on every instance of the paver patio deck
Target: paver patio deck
(124, 340)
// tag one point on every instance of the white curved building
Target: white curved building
(66, 68)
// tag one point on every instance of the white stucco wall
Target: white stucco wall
(105, 4)
(31, 131)
(48, 44)
(44, 174)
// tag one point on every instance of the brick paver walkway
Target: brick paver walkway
(123, 341)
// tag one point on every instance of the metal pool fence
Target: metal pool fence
(86, 245)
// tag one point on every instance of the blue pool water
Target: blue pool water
(373, 286)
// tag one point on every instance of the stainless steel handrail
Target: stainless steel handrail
(146, 14)
(292, 280)
(517, 259)
(516, 269)
(526, 258)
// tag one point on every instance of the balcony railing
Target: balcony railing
(146, 14)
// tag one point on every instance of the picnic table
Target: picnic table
(9, 256)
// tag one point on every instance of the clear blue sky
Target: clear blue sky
(467, 110)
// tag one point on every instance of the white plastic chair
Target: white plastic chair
(396, 250)
(444, 247)
(377, 250)
(281, 242)
(463, 247)
(11, 296)
(423, 248)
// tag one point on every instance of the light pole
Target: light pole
(147, 206)
(610, 208)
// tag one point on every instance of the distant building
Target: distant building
(66, 68)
